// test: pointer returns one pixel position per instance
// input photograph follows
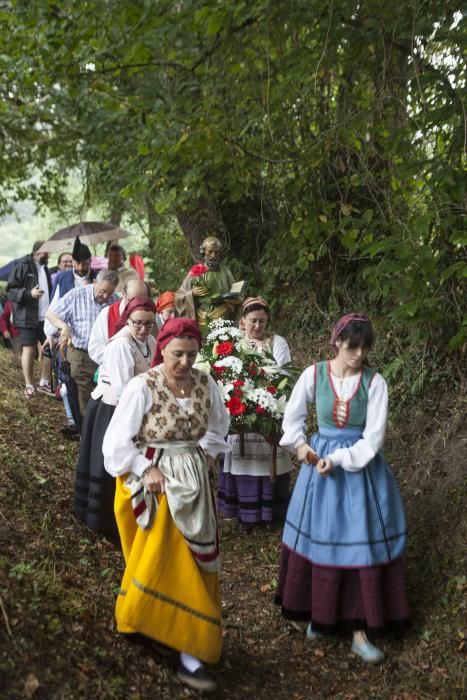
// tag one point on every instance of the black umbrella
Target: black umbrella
(89, 232)
(72, 393)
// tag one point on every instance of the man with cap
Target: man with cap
(165, 307)
(80, 275)
(29, 290)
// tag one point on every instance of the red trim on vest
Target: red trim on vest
(114, 315)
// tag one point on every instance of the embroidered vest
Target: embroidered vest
(166, 419)
(351, 413)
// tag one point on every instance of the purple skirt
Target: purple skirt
(372, 598)
(253, 499)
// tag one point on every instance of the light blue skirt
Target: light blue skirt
(346, 519)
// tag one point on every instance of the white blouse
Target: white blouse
(119, 364)
(120, 452)
(353, 458)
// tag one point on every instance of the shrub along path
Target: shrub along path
(58, 584)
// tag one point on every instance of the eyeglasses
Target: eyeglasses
(140, 324)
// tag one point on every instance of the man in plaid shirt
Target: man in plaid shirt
(74, 316)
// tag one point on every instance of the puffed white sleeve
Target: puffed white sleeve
(213, 442)
(99, 337)
(296, 411)
(355, 458)
(120, 452)
(119, 363)
(281, 351)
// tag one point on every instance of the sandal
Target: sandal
(29, 391)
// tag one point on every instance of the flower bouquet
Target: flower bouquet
(254, 388)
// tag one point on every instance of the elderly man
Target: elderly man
(29, 289)
(205, 293)
(74, 316)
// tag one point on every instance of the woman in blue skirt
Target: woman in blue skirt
(345, 531)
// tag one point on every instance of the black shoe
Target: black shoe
(198, 680)
(246, 528)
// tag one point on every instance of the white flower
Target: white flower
(225, 389)
(233, 363)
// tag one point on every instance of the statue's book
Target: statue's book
(236, 290)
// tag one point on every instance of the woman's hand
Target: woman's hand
(154, 480)
(306, 454)
(324, 466)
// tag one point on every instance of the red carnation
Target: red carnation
(272, 389)
(218, 369)
(198, 270)
(224, 349)
(235, 406)
(252, 370)
(260, 409)
(238, 382)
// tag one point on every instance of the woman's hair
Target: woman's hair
(254, 307)
(357, 334)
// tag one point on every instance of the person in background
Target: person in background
(127, 353)
(8, 330)
(79, 274)
(74, 316)
(161, 443)
(165, 307)
(64, 262)
(116, 261)
(345, 532)
(245, 489)
(29, 287)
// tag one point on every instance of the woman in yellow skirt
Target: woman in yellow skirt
(161, 443)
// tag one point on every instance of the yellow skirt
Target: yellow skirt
(164, 594)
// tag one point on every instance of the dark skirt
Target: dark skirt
(94, 487)
(335, 599)
(253, 499)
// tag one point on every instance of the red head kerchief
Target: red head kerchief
(165, 301)
(175, 328)
(136, 304)
(342, 323)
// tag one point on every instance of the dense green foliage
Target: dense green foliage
(326, 143)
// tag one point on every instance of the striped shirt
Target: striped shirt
(79, 309)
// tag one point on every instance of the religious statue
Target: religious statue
(209, 290)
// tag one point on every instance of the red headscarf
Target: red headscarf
(343, 323)
(165, 301)
(175, 328)
(136, 304)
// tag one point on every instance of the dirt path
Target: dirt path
(58, 584)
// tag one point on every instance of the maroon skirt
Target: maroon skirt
(253, 499)
(336, 599)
